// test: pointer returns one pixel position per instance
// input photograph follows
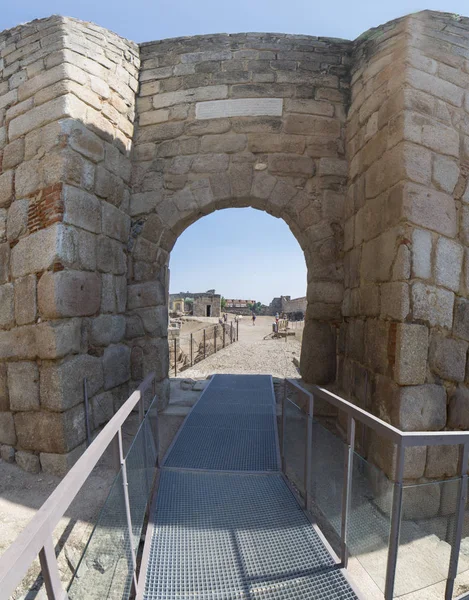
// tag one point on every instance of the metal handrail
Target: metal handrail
(36, 538)
(403, 440)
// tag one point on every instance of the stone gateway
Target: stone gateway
(110, 150)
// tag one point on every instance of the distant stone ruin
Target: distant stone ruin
(110, 150)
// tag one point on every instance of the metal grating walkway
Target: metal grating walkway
(222, 532)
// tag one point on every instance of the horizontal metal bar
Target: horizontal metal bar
(17, 559)
(401, 438)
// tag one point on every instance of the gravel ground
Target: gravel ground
(252, 354)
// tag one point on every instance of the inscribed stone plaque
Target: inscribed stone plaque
(239, 107)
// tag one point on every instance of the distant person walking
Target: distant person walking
(253, 318)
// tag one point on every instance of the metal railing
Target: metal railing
(36, 538)
(197, 346)
(310, 451)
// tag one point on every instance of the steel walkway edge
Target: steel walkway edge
(225, 524)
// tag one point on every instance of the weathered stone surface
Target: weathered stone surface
(28, 461)
(7, 453)
(25, 300)
(107, 329)
(447, 357)
(102, 407)
(62, 384)
(461, 319)
(55, 339)
(115, 223)
(395, 303)
(17, 223)
(7, 305)
(421, 253)
(291, 165)
(319, 348)
(421, 407)
(4, 400)
(7, 429)
(81, 209)
(242, 107)
(6, 188)
(110, 256)
(69, 294)
(433, 304)
(51, 432)
(458, 410)
(114, 293)
(445, 173)
(116, 364)
(23, 386)
(411, 354)
(60, 464)
(145, 294)
(448, 265)
(442, 461)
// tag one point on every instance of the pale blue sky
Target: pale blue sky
(240, 252)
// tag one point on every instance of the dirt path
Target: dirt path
(252, 353)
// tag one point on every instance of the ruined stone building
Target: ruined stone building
(292, 307)
(203, 304)
(110, 150)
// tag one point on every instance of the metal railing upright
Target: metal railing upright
(36, 538)
(402, 439)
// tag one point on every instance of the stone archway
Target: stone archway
(213, 139)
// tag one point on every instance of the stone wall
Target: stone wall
(201, 303)
(66, 115)
(246, 120)
(361, 147)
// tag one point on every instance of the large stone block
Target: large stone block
(421, 408)
(378, 256)
(433, 304)
(458, 410)
(111, 257)
(429, 208)
(25, 300)
(62, 384)
(7, 429)
(39, 251)
(7, 306)
(19, 343)
(442, 461)
(56, 339)
(291, 165)
(395, 303)
(116, 363)
(411, 354)
(448, 264)
(51, 432)
(114, 293)
(107, 329)
(461, 319)
(60, 464)
(447, 357)
(23, 386)
(69, 294)
(154, 320)
(376, 344)
(145, 294)
(17, 224)
(115, 223)
(27, 461)
(318, 356)
(421, 254)
(4, 400)
(81, 209)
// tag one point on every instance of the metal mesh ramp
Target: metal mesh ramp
(221, 532)
(234, 537)
(231, 428)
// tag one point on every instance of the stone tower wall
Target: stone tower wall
(67, 93)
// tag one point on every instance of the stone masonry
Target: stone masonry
(110, 150)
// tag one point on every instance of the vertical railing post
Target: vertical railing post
(204, 345)
(284, 423)
(125, 486)
(395, 524)
(347, 489)
(237, 331)
(462, 499)
(309, 451)
(215, 339)
(87, 412)
(224, 333)
(50, 572)
(156, 433)
(192, 362)
(175, 358)
(231, 333)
